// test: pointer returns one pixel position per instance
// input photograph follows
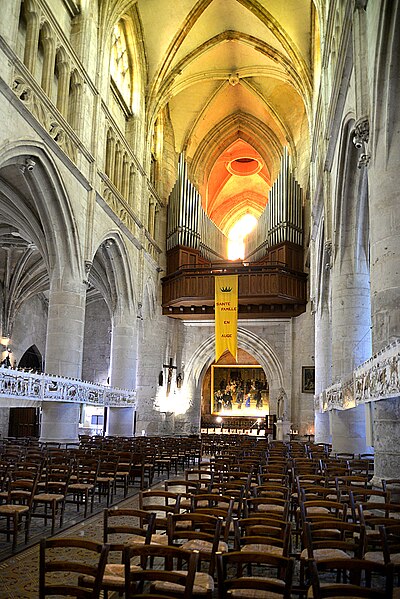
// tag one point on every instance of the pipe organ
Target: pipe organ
(191, 228)
(282, 219)
(188, 224)
(272, 281)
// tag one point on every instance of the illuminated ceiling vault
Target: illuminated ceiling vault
(234, 79)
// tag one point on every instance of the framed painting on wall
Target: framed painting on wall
(239, 391)
(308, 379)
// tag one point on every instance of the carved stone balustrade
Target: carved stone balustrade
(377, 378)
(19, 388)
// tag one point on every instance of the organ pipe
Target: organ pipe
(282, 220)
(188, 225)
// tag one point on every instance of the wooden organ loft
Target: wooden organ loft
(272, 281)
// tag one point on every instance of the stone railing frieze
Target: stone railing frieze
(28, 91)
(377, 378)
(18, 385)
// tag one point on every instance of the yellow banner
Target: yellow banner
(226, 315)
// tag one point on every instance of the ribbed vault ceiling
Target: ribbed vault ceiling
(235, 76)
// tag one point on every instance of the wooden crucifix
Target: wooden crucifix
(170, 371)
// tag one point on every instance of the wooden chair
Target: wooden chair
(123, 473)
(82, 486)
(217, 505)
(161, 503)
(321, 509)
(274, 576)
(357, 572)
(267, 506)
(388, 549)
(259, 534)
(363, 496)
(64, 561)
(107, 479)
(271, 490)
(51, 499)
(204, 477)
(171, 580)
(186, 489)
(122, 527)
(142, 469)
(18, 506)
(237, 490)
(333, 540)
(198, 532)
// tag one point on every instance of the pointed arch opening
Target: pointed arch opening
(31, 359)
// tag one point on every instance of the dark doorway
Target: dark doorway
(24, 422)
(32, 359)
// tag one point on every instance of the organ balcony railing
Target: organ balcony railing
(267, 290)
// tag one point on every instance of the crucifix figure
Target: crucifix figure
(169, 377)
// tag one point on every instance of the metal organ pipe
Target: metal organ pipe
(281, 221)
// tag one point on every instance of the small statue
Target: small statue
(281, 405)
(179, 380)
(161, 379)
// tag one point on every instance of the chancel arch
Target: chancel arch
(262, 353)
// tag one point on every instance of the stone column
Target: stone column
(125, 177)
(349, 431)
(76, 108)
(64, 71)
(64, 349)
(323, 370)
(385, 234)
(123, 371)
(351, 319)
(48, 62)
(132, 186)
(118, 167)
(32, 37)
(351, 345)
(152, 211)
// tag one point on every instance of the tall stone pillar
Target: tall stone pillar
(351, 319)
(32, 36)
(323, 369)
(64, 75)
(385, 235)
(123, 371)
(64, 349)
(351, 345)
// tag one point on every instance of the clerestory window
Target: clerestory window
(120, 64)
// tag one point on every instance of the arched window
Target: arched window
(120, 64)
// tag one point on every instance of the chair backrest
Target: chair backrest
(321, 509)
(57, 478)
(357, 572)
(161, 503)
(22, 490)
(62, 562)
(267, 505)
(122, 525)
(186, 486)
(262, 531)
(233, 577)
(171, 574)
(390, 536)
(198, 531)
(345, 536)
